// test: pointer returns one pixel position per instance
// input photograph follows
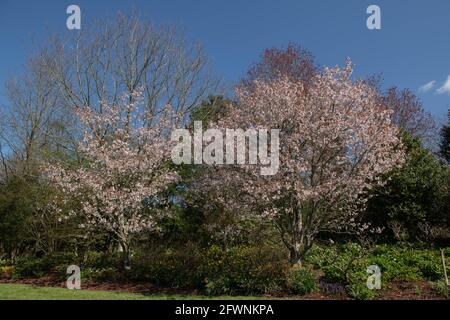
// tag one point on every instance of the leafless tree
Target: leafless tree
(33, 122)
(121, 55)
(409, 113)
(98, 65)
(293, 62)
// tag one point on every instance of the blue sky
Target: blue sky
(411, 50)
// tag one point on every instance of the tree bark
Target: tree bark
(126, 254)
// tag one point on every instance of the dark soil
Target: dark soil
(411, 290)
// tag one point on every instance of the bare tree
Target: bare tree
(124, 54)
(91, 69)
(293, 62)
(33, 123)
(409, 114)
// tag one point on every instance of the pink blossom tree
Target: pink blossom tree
(126, 156)
(336, 139)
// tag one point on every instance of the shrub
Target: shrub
(301, 281)
(244, 270)
(99, 274)
(338, 261)
(240, 269)
(344, 264)
(100, 260)
(6, 271)
(441, 288)
(319, 256)
(31, 268)
(168, 267)
(4, 263)
(401, 263)
(413, 196)
(404, 263)
(361, 292)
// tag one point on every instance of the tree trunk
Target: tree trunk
(127, 259)
(125, 249)
(295, 257)
(297, 249)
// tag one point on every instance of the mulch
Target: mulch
(410, 290)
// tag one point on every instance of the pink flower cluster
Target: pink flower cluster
(125, 161)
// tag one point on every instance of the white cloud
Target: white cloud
(427, 87)
(445, 87)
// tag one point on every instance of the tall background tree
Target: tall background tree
(127, 53)
(293, 62)
(409, 114)
(444, 143)
(411, 205)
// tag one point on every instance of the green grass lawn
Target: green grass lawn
(28, 292)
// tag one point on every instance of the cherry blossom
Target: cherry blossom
(336, 139)
(125, 160)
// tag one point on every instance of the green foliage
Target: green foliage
(247, 269)
(240, 269)
(413, 196)
(358, 289)
(4, 262)
(244, 269)
(6, 271)
(444, 145)
(441, 288)
(27, 225)
(347, 264)
(16, 206)
(405, 263)
(339, 261)
(31, 267)
(99, 260)
(210, 110)
(301, 281)
(177, 268)
(348, 267)
(100, 274)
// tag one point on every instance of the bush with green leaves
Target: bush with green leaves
(31, 267)
(244, 270)
(98, 260)
(170, 267)
(100, 274)
(4, 262)
(27, 224)
(338, 261)
(412, 202)
(347, 264)
(344, 264)
(6, 271)
(441, 288)
(301, 280)
(358, 289)
(404, 263)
